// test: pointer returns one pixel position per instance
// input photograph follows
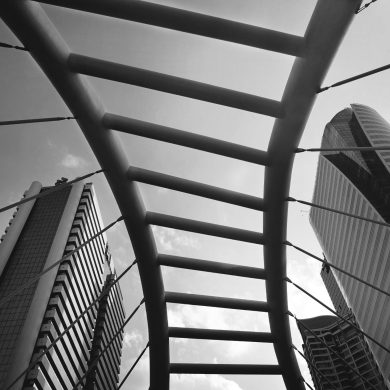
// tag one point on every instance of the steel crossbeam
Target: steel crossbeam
(190, 22)
(195, 188)
(229, 369)
(174, 85)
(210, 229)
(211, 266)
(184, 138)
(211, 301)
(218, 334)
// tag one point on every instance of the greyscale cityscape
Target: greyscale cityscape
(240, 153)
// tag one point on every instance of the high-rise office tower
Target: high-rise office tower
(41, 232)
(357, 182)
(334, 291)
(338, 351)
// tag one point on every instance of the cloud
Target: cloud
(71, 161)
(175, 318)
(50, 144)
(199, 317)
(162, 191)
(212, 318)
(122, 256)
(138, 380)
(133, 339)
(172, 240)
(202, 382)
(235, 349)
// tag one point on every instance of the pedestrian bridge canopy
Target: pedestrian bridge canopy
(68, 72)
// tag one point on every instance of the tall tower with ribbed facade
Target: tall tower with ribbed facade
(41, 232)
(341, 358)
(357, 182)
(339, 354)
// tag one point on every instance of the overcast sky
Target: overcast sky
(45, 152)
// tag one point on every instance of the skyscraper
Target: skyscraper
(334, 291)
(357, 182)
(41, 232)
(337, 351)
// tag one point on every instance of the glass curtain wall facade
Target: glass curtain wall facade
(42, 232)
(359, 183)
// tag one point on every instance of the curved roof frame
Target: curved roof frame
(328, 25)
(316, 50)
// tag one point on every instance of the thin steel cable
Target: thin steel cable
(337, 268)
(304, 381)
(113, 338)
(50, 190)
(363, 7)
(8, 46)
(357, 77)
(350, 149)
(338, 315)
(8, 297)
(318, 206)
(334, 351)
(315, 368)
(104, 292)
(133, 366)
(37, 120)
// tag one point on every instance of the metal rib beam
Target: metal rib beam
(185, 138)
(193, 187)
(227, 369)
(324, 33)
(190, 22)
(32, 27)
(174, 85)
(219, 334)
(211, 266)
(209, 229)
(222, 302)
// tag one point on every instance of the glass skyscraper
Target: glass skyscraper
(359, 183)
(40, 233)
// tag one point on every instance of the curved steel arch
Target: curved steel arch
(326, 29)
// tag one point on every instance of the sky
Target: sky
(48, 151)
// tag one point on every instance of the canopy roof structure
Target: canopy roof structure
(67, 70)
